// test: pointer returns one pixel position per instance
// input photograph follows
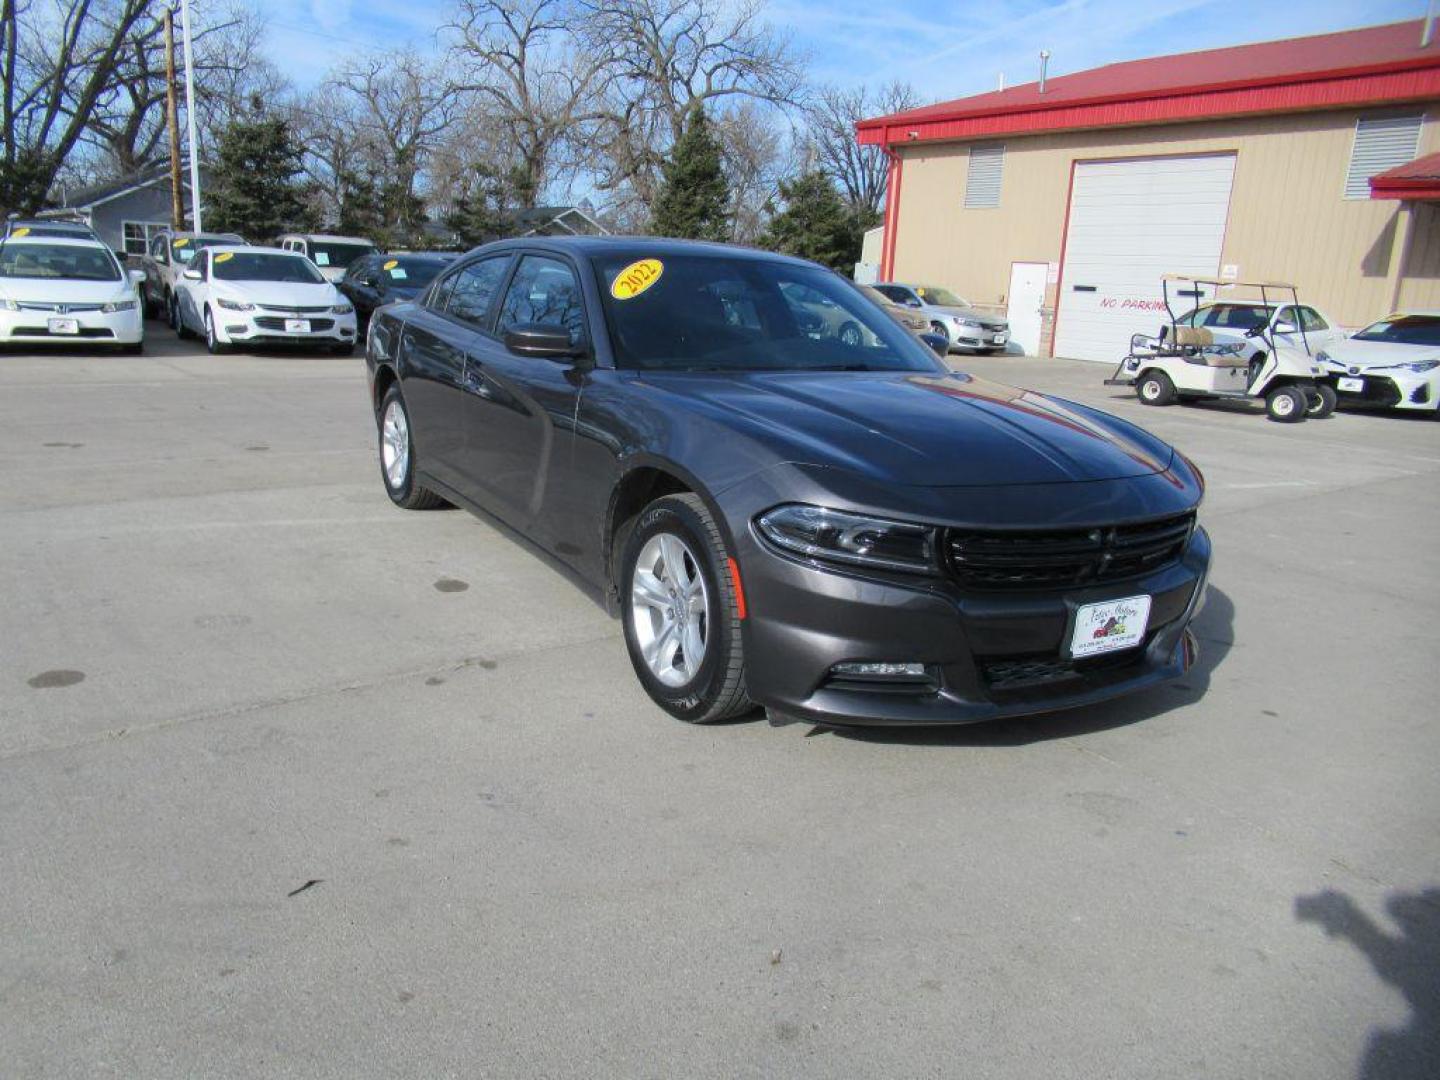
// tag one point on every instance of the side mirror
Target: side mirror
(137, 277)
(544, 341)
(1284, 328)
(193, 275)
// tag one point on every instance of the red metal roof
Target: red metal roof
(1374, 65)
(1418, 179)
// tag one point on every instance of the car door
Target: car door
(359, 287)
(191, 294)
(520, 411)
(155, 264)
(434, 344)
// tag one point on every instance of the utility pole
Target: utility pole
(190, 120)
(172, 121)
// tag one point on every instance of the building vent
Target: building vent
(982, 180)
(1380, 144)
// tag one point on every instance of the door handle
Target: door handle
(474, 379)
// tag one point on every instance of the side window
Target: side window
(440, 294)
(1311, 319)
(474, 289)
(544, 290)
(1284, 315)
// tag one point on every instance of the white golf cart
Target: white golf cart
(1185, 363)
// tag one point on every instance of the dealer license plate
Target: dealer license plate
(1351, 386)
(64, 326)
(1110, 625)
(999, 339)
(297, 326)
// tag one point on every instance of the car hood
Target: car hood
(964, 313)
(63, 291)
(918, 429)
(278, 293)
(1365, 354)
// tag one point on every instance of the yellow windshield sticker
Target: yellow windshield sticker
(181, 242)
(392, 264)
(19, 233)
(225, 256)
(636, 278)
(919, 292)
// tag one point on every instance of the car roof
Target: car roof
(432, 256)
(179, 233)
(329, 237)
(252, 249)
(659, 246)
(51, 228)
(51, 241)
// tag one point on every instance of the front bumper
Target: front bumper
(269, 327)
(33, 327)
(979, 337)
(1391, 389)
(987, 654)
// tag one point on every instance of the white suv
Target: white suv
(168, 255)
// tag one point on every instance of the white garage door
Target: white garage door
(1130, 223)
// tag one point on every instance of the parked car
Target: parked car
(906, 317)
(262, 296)
(820, 317)
(62, 290)
(332, 254)
(952, 317)
(1250, 322)
(851, 534)
(375, 280)
(169, 253)
(48, 228)
(1393, 363)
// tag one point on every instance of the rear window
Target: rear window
(411, 273)
(67, 262)
(722, 313)
(1404, 330)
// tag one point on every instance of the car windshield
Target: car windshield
(1229, 316)
(183, 248)
(331, 253)
(410, 273)
(1404, 330)
(72, 262)
(265, 266)
(721, 313)
(931, 294)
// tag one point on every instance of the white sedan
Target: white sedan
(234, 295)
(59, 291)
(1242, 322)
(1394, 362)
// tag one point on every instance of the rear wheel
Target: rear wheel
(397, 456)
(1325, 405)
(1155, 388)
(1287, 404)
(682, 612)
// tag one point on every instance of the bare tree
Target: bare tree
(753, 149)
(527, 62)
(860, 171)
(57, 67)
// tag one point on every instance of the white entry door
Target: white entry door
(1131, 222)
(1026, 298)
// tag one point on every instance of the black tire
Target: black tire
(213, 344)
(1287, 404)
(405, 492)
(1155, 388)
(717, 690)
(1325, 406)
(344, 348)
(938, 329)
(177, 323)
(133, 348)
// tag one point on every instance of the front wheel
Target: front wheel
(938, 329)
(682, 612)
(212, 341)
(397, 456)
(1324, 404)
(1287, 404)
(1155, 388)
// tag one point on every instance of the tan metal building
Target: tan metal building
(1063, 204)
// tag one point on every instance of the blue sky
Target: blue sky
(945, 49)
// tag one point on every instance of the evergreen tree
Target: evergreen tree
(487, 211)
(694, 198)
(817, 224)
(255, 192)
(361, 209)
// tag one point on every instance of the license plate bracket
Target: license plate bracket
(1109, 625)
(297, 326)
(64, 326)
(1350, 386)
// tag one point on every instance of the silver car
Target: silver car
(952, 317)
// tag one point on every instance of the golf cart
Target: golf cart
(1185, 362)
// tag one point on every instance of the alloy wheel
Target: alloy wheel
(670, 607)
(395, 444)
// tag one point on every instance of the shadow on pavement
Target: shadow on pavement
(1409, 961)
(1214, 629)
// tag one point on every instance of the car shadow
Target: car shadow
(1408, 961)
(1214, 630)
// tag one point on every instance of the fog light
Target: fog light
(238, 328)
(877, 670)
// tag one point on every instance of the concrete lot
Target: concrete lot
(231, 669)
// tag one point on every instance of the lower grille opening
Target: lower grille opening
(1023, 672)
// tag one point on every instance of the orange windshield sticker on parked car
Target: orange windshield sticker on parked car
(391, 264)
(19, 233)
(636, 278)
(181, 242)
(224, 256)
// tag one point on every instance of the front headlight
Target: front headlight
(966, 322)
(837, 536)
(343, 309)
(9, 305)
(118, 305)
(235, 305)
